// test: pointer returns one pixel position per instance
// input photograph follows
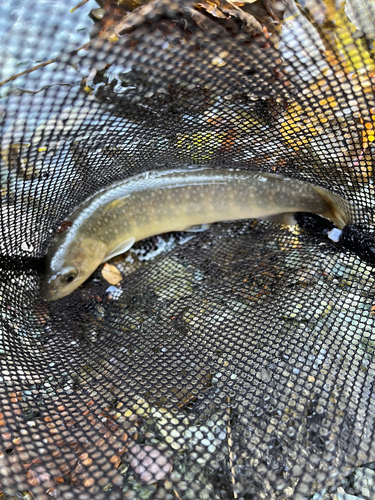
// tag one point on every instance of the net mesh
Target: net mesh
(237, 362)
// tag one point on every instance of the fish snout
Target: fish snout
(49, 290)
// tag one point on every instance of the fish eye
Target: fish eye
(69, 275)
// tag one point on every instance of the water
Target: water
(34, 32)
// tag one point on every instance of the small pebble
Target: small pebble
(149, 464)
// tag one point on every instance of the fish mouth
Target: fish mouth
(49, 291)
(52, 290)
(48, 294)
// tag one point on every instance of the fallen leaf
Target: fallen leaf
(241, 2)
(111, 274)
(112, 28)
(213, 10)
(251, 24)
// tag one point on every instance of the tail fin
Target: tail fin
(340, 211)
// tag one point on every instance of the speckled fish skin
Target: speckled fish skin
(173, 200)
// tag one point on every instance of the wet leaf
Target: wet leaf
(241, 2)
(213, 10)
(251, 25)
(116, 18)
(111, 274)
(112, 28)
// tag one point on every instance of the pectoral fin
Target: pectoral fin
(198, 228)
(123, 247)
(287, 219)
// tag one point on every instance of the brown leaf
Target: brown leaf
(111, 274)
(212, 9)
(241, 2)
(201, 20)
(113, 29)
(251, 25)
(32, 477)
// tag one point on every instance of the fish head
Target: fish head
(69, 265)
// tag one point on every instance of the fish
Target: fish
(111, 220)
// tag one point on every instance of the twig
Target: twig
(231, 455)
(33, 92)
(176, 493)
(78, 6)
(41, 65)
(28, 71)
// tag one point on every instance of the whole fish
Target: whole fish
(109, 222)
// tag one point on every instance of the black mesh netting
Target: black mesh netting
(233, 363)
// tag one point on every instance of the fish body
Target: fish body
(109, 222)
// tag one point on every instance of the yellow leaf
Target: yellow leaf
(111, 274)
